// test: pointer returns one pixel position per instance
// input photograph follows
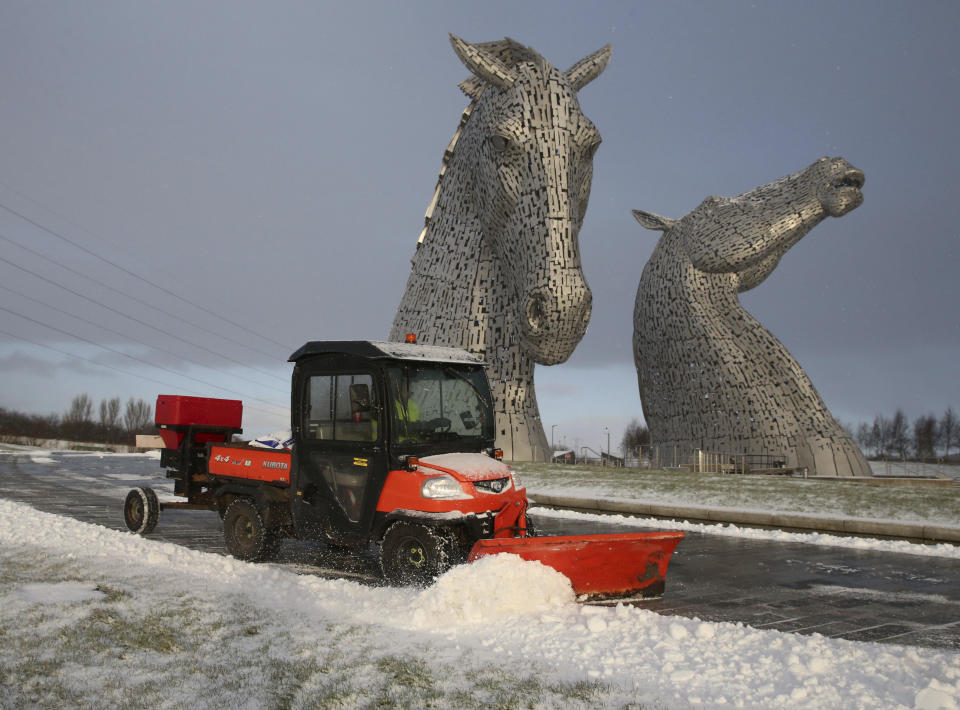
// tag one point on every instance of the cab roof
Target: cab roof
(376, 350)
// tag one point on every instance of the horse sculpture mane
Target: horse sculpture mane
(497, 267)
(710, 376)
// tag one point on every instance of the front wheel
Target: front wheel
(416, 554)
(141, 510)
(244, 533)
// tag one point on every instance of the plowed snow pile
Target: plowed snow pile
(490, 590)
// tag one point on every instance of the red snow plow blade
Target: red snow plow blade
(600, 567)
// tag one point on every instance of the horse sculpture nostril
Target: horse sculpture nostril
(536, 313)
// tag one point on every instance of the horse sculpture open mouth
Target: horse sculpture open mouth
(852, 178)
(843, 193)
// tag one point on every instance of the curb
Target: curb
(862, 527)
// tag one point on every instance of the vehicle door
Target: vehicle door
(340, 452)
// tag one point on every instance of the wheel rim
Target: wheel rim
(135, 510)
(412, 554)
(244, 533)
(243, 529)
(246, 529)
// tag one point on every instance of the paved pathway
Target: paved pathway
(838, 592)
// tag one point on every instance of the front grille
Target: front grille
(494, 485)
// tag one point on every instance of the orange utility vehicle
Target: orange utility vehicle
(393, 446)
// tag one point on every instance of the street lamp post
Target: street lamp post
(551, 439)
(607, 429)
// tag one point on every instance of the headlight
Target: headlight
(444, 487)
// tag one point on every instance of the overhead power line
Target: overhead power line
(178, 316)
(125, 336)
(218, 354)
(141, 278)
(121, 371)
(134, 358)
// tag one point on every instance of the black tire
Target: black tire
(244, 533)
(222, 504)
(141, 510)
(413, 554)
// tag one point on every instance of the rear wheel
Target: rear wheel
(141, 510)
(416, 554)
(244, 533)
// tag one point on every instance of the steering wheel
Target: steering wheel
(441, 424)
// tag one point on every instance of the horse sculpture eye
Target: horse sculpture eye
(499, 143)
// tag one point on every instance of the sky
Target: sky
(197, 189)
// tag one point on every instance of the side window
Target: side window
(342, 408)
(356, 414)
(320, 414)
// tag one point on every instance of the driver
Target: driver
(408, 413)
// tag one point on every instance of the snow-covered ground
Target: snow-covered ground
(92, 617)
(830, 498)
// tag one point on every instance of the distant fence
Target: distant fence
(657, 456)
(695, 460)
(660, 457)
(64, 445)
(920, 468)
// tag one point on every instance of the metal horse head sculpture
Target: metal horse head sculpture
(497, 268)
(711, 377)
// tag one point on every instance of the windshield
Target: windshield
(433, 402)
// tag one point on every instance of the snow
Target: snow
(936, 696)
(434, 353)
(492, 590)
(930, 504)
(500, 613)
(58, 593)
(473, 467)
(501, 616)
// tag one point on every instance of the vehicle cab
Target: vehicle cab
(395, 431)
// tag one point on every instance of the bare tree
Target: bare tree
(78, 418)
(898, 434)
(879, 435)
(949, 431)
(110, 419)
(924, 436)
(80, 411)
(138, 416)
(864, 436)
(635, 436)
(32, 426)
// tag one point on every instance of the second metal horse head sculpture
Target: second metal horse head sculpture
(711, 377)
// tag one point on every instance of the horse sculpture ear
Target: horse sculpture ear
(653, 221)
(588, 68)
(483, 64)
